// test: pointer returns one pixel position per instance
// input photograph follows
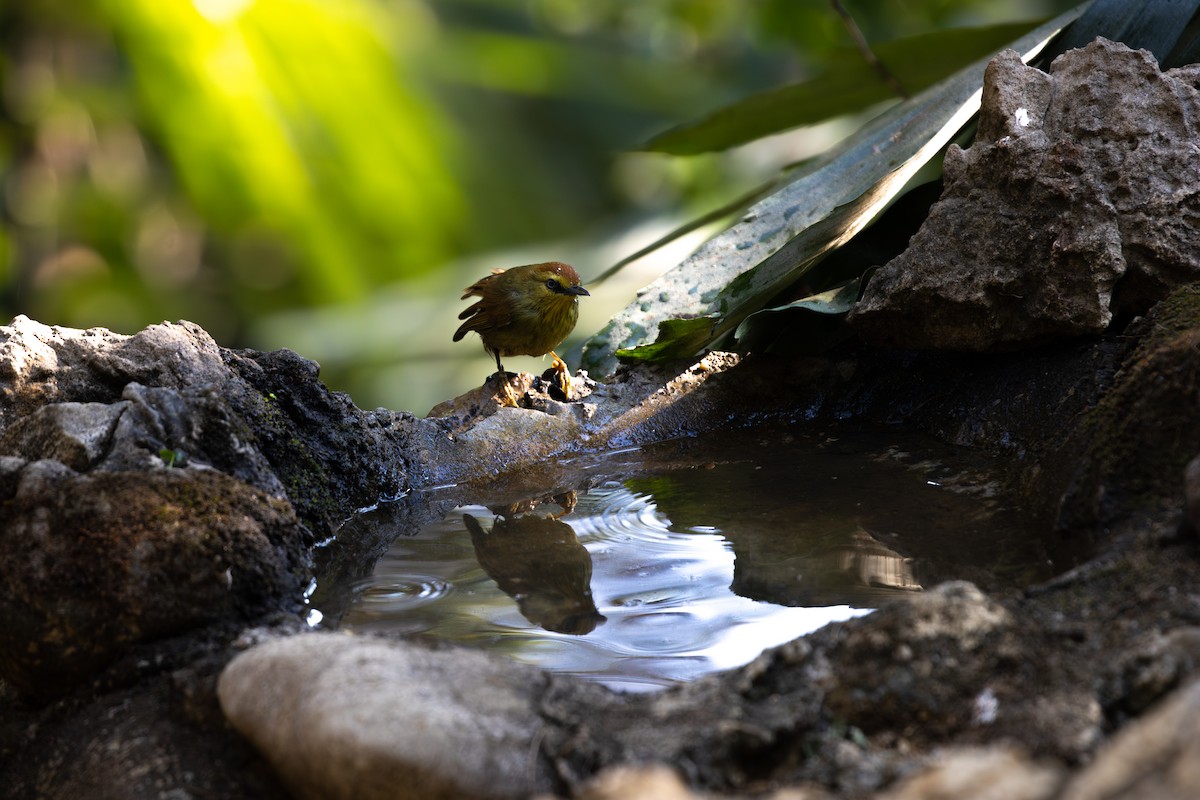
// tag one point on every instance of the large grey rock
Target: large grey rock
(1076, 200)
(346, 717)
(42, 364)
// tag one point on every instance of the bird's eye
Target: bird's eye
(551, 284)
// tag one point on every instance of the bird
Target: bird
(524, 311)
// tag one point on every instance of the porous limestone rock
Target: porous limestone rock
(1076, 201)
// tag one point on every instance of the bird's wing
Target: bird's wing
(482, 315)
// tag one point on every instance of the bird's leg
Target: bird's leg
(506, 394)
(563, 374)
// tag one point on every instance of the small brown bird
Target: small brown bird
(524, 311)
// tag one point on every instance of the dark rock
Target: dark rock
(1132, 448)
(156, 738)
(921, 662)
(1074, 203)
(1191, 491)
(261, 417)
(151, 484)
(331, 457)
(1153, 666)
(93, 563)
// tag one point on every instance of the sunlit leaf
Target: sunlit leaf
(677, 338)
(739, 270)
(848, 85)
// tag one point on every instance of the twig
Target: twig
(865, 48)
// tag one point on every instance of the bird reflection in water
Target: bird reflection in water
(537, 560)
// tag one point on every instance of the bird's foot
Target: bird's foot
(506, 396)
(562, 376)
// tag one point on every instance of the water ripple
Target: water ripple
(663, 608)
(397, 593)
(620, 593)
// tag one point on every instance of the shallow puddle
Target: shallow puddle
(712, 551)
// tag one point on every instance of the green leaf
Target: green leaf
(814, 330)
(848, 85)
(173, 458)
(677, 338)
(838, 300)
(738, 271)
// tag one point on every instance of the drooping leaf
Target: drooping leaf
(807, 325)
(848, 85)
(736, 272)
(837, 300)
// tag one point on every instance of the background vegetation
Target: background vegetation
(326, 175)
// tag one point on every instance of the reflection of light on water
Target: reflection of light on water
(313, 617)
(670, 613)
(774, 628)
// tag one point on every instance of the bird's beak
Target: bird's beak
(578, 290)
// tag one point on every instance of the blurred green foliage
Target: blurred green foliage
(846, 85)
(240, 162)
